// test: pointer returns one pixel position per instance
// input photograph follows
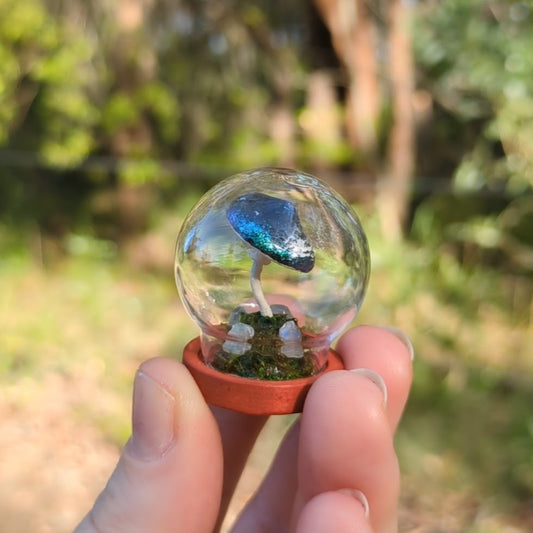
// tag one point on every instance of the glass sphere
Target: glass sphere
(273, 265)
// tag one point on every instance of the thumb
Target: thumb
(169, 476)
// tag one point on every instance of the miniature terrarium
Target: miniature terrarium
(272, 265)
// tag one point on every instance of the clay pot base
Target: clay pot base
(251, 396)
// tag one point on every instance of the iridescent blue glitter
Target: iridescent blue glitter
(272, 226)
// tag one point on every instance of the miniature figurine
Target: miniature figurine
(272, 227)
(273, 319)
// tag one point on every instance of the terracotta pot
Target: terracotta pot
(251, 396)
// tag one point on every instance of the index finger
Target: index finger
(386, 351)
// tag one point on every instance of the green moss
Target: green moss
(264, 360)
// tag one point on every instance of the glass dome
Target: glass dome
(273, 265)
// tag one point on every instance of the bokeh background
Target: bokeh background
(115, 116)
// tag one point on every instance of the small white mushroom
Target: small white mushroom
(291, 338)
(236, 348)
(240, 331)
(280, 309)
(293, 350)
(235, 315)
(290, 332)
(238, 335)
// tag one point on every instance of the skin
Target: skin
(180, 467)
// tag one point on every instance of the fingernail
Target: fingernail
(152, 419)
(375, 378)
(403, 337)
(360, 497)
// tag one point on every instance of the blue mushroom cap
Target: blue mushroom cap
(272, 226)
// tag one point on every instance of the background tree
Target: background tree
(472, 59)
(101, 97)
(355, 39)
(116, 115)
(395, 188)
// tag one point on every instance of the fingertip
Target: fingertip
(346, 441)
(375, 378)
(153, 419)
(386, 352)
(349, 400)
(169, 373)
(340, 511)
(344, 392)
(400, 335)
(174, 377)
(387, 338)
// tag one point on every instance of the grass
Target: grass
(88, 320)
(74, 330)
(467, 434)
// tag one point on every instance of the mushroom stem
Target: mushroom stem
(259, 260)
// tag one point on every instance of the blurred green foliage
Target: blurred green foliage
(474, 59)
(98, 313)
(92, 99)
(45, 79)
(110, 129)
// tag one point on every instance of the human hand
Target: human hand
(336, 469)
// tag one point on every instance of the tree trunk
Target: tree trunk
(133, 66)
(395, 187)
(355, 41)
(321, 120)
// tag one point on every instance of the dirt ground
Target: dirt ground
(68, 354)
(53, 464)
